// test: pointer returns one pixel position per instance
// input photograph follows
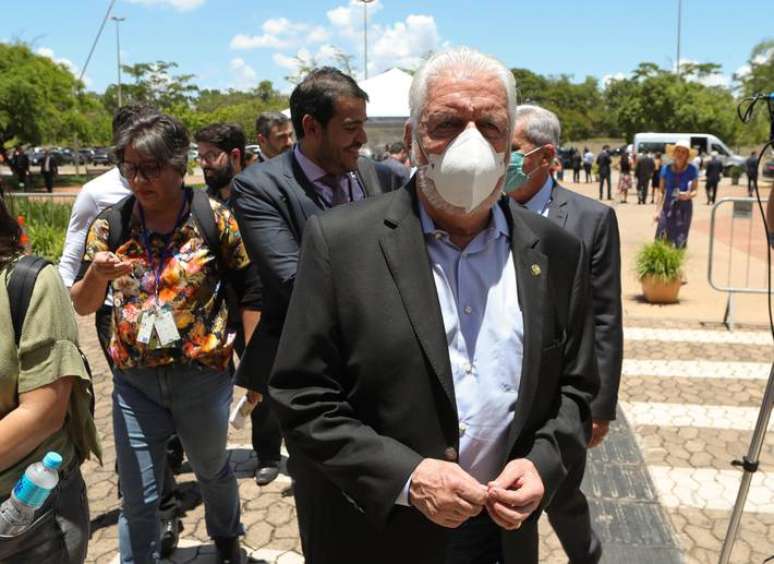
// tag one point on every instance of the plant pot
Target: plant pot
(658, 291)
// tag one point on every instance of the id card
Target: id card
(166, 328)
(147, 321)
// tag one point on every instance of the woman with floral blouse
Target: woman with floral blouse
(170, 344)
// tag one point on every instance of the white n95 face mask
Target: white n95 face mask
(466, 173)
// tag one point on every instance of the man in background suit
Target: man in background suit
(537, 135)
(433, 375)
(49, 169)
(643, 170)
(273, 201)
(714, 172)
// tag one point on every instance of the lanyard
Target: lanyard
(166, 253)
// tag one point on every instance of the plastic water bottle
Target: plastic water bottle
(29, 494)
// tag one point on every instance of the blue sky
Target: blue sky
(236, 43)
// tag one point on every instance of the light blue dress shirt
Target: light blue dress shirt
(348, 184)
(542, 199)
(479, 302)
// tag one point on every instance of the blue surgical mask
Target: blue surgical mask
(516, 177)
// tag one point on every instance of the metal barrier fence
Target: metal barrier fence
(741, 230)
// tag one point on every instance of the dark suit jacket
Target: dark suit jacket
(643, 170)
(362, 383)
(596, 225)
(272, 201)
(714, 170)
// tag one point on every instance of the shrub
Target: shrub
(45, 223)
(661, 260)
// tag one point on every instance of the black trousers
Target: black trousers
(712, 190)
(752, 184)
(169, 505)
(48, 178)
(266, 435)
(570, 517)
(587, 170)
(642, 191)
(605, 175)
(481, 541)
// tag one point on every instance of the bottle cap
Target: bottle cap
(52, 460)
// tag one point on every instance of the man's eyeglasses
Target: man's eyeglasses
(148, 171)
(210, 157)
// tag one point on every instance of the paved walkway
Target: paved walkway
(689, 397)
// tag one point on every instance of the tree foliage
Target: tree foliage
(41, 101)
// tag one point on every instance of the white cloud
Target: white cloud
(280, 33)
(67, 63)
(608, 78)
(242, 41)
(245, 76)
(406, 43)
(179, 5)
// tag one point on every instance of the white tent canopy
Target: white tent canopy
(388, 95)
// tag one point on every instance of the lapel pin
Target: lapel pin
(536, 270)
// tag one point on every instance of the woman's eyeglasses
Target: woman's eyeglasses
(148, 171)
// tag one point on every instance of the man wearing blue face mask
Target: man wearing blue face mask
(436, 363)
(529, 182)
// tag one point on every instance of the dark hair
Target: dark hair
(10, 235)
(397, 147)
(125, 115)
(316, 96)
(225, 136)
(267, 120)
(160, 137)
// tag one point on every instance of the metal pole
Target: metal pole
(679, 26)
(365, 37)
(118, 20)
(750, 465)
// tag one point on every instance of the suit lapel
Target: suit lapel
(557, 211)
(532, 280)
(406, 255)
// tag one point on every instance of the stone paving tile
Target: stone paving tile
(687, 390)
(696, 447)
(705, 369)
(702, 532)
(687, 351)
(689, 415)
(704, 336)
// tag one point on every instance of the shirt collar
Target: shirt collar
(540, 200)
(312, 171)
(498, 225)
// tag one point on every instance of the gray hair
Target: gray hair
(267, 120)
(460, 61)
(158, 136)
(541, 126)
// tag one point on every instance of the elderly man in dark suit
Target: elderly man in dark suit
(436, 364)
(535, 139)
(273, 201)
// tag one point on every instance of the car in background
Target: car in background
(85, 155)
(767, 170)
(35, 155)
(103, 156)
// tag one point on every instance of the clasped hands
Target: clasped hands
(448, 496)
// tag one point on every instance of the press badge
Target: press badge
(146, 327)
(166, 328)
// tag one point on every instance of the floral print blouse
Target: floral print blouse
(189, 286)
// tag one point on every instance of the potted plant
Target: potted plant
(735, 171)
(660, 270)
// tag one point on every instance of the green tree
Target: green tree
(153, 85)
(42, 102)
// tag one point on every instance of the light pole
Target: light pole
(365, 37)
(679, 29)
(118, 20)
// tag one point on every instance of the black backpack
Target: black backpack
(21, 284)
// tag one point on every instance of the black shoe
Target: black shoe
(266, 474)
(170, 535)
(228, 550)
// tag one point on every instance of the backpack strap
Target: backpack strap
(21, 283)
(205, 220)
(118, 217)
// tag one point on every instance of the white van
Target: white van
(704, 142)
